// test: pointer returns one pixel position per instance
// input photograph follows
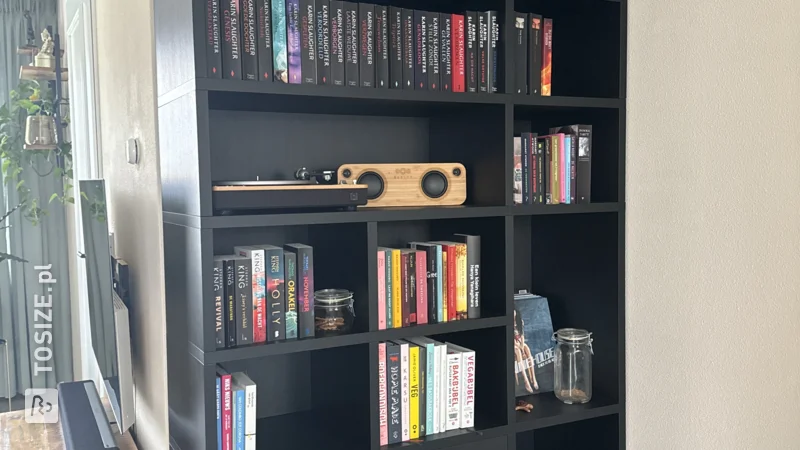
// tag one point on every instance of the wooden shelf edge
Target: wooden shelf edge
(40, 147)
(41, 73)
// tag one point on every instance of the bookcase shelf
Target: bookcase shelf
(322, 393)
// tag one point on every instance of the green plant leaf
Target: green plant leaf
(53, 197)
(20, 184)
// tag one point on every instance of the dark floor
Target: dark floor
(17, 403)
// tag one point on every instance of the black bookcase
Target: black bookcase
(323, 393)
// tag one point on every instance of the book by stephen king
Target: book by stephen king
(265, 40)
(396, 47)
(258, 289)
(290, 262)
(305, 288)
(471, 52)
(534, 56)
(421, 48)
(493, 55)
(366, 20)
(218, 283)
(393, 381)
(249, 40)
(279, 50)
(351, 40)
(231, 295)
(409, 49)
(276, 293)
(231, 46)
(534, 353)
(434, 51)
(337, 43)
(244, 301)
(293, 41)
(458, 59)
(547, 57)
(322, 9)
(520, 54)
(483, 52)
(446, 47)
(308, 41)
(381, 46)
(213, 41)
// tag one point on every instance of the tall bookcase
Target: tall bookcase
(323, 393)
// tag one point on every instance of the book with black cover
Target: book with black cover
(473, 273)
(471, 52)
(520, 53)
(322, 10)
(290, 264)
(525, 155)
(535, 54)
(231, 295)
(213, 39)
(493, 56)
(351, 39)
(276, 293)
(265, 40)
(409, 49)
(538, 161)
(231, 50)
(548, 173)
(381, 46)
(434, 51)
(483, 52)
(366, 20)
(421, 49)
(244, 301)
(337, 43)
(446, 45)
(432, 272)
(395, 47)
(305, 288)
(218, 278)
(308, 41)
(249, 40)
(423, 392)
(393, 387)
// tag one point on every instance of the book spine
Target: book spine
(258, 287)
(231, 296)
(421, 48)
(473, 276)
(573, 169)
(446, 46)
(423, 392)
(563, 168)
(293, 41)
(383, 411)
(520, 54)
(265, 67)
(421, 281)
(452, 280)
(249, 40)
(430, 362)
(431, 293)
(547, 57)
(548, 180)
(394, 379)
(219, 413)
(409, 48)
(405, 281)
(526, 168)
(434, 51)
(381, 46)
(244, 303)
(308, 42)
(366, 44)
(458, 59)
(290, 263)
(540, 177)
(413, 368)
(405, 388)
(532, 138)
(337, 43)
(239, 427)
(227, 413)
(397, 290)
(454, 390)
(250, 410)
(280, 59)
(305, 261)
(322, 10)
(584, 168)
(471, 50)
(351, 40)
(519, 171)
(483, 53)
(445, 292)
(534, 56)
(396, 47)
(468, 390)
(276, 294)
(389, 289)
(554, 167)
(250, 442)
(381, 290)
(444, 386)
(231, 50)
(213, 42)
(219, 300)
(493, 56)
(461, 281)
(569, 169)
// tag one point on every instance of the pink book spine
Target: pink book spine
(383, 402)
(562, 179)
(422, 287)
(227, 413)
(381, 290)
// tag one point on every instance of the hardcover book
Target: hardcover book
(458, 59)
(231, 51)
(276, 293)
(265, 68)
(394, 380)
(337, 43)
(461, 281)
(421, 47)
(535, 54)
(562, 167)
(351, 39)
(397, 290)
(427, 366)
(258, 288)
(413, 369)
(405, 394)
(446, 47)
(431, 276)
(366, 16)
(387, 257)
(423, 392)
(406, 282)
(381, 46)
(534, 353)
(238, 416)
(322, 10)
(547, 57)
(444, 276)
(227, 408)
(383, 410)
(421, 286)
(293, 41)
(548, 169)
(568, 170)
(219, 413)
(305, 288)
(434, 51)
(409, 49)
(493, 56)
(218, 284)
(472, 56)
(213, 41)
(467, 385)
(396, 47)
(381, 289)
(440, 388)
(308, 41)
(454, 389)
(241, 380)
(249, 40)
(290, 262)
(230, 266)
(526, 167)
(451, 269)
(473, 244)
(244, 301)
(519, 171)
(540, 172)
(279, 50)
(520, 54)
(581, 155)
(483, 52)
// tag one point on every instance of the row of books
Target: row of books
(430, 282)
(236, 411)
(426, 387)
(533, 54)
(263, 293)
(330, 42)
(554, 169)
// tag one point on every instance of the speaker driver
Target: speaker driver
(434, 184)
(374, 184)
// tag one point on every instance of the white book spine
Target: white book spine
(437, 387)
(383, 414)
(454, 390)
(250, 409)
(250, 442)
(405, 392)
(444, 387)
(468, 389)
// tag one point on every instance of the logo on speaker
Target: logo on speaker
(41, 405)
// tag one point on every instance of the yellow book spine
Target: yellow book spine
(461, 281)
(397, 291)
(443, 274)
(413, 368)
(555, 186)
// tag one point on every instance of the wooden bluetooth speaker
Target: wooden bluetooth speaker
(438, 184)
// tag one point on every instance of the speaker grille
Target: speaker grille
(374, 184)
(434, 184)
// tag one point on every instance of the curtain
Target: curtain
(44, 245)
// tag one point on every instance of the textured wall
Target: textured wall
(128, 109)
(713, 243)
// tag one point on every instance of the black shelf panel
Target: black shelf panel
(442, 328)
(541, 210)
(567, 102)
(451, 439)
(548, 411)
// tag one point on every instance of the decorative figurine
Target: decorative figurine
(45, 56)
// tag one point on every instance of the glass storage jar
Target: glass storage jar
(573, 365)
(333, 312)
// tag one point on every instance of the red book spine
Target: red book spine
(452, 294)
(562, 179)
(459, 61)
(227, 413)
(381, 290)
(405, 282)
(383, 403)
(422, 287)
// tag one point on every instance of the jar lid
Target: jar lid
(333, 296)
(572, 335)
